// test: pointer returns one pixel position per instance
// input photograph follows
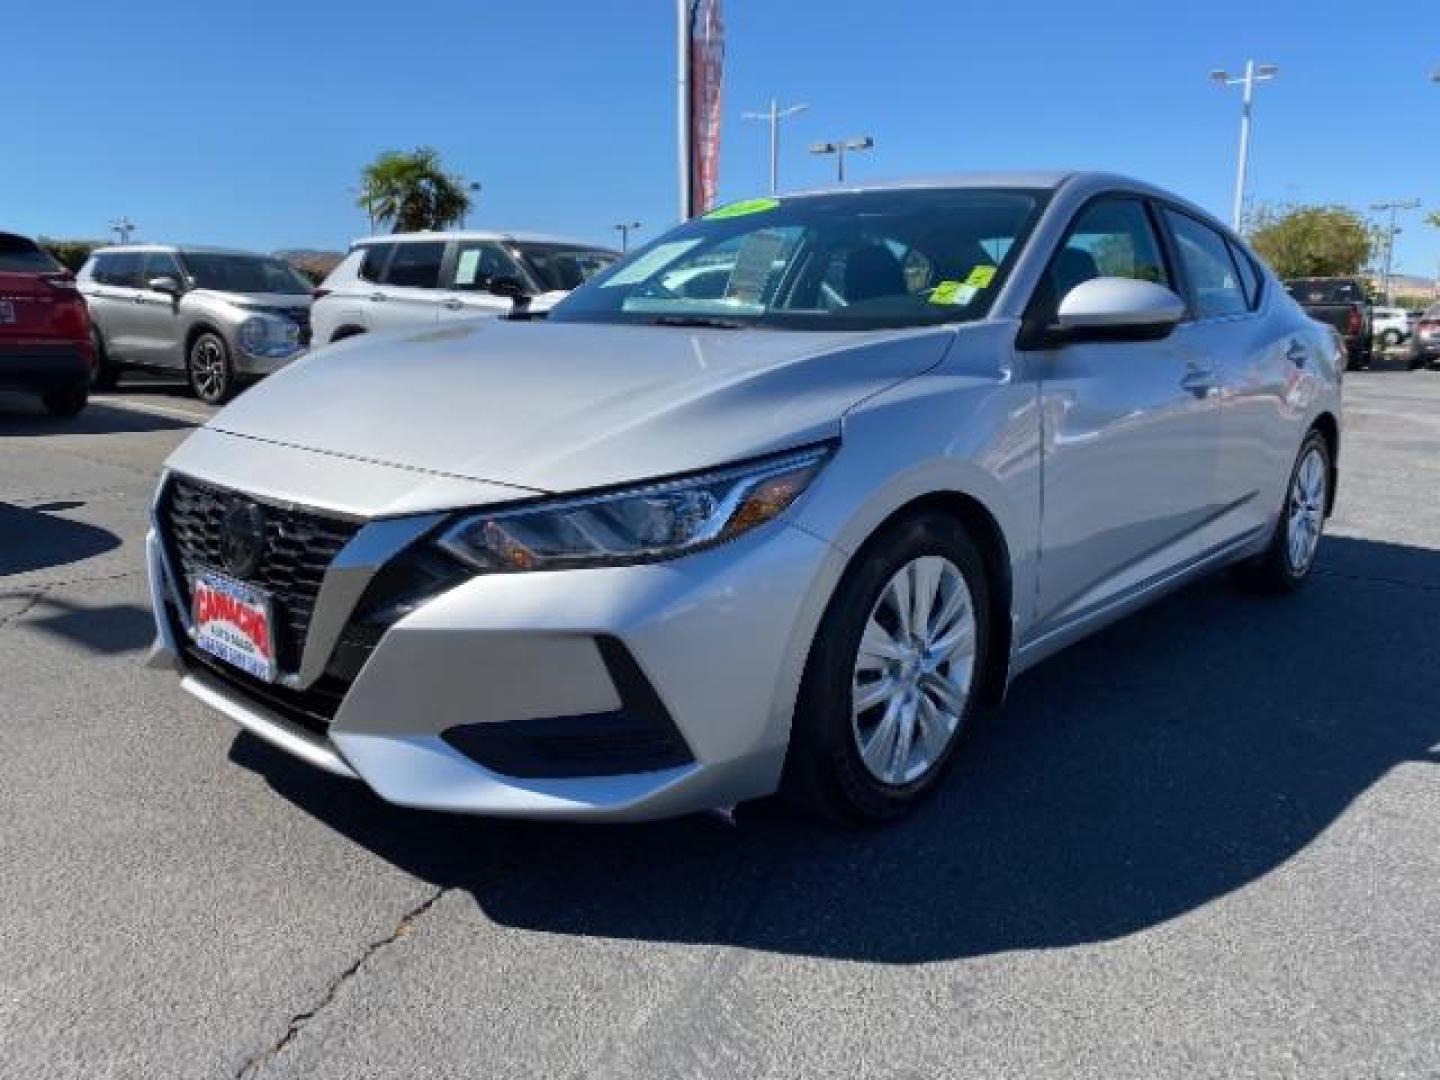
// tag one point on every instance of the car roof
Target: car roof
(183, 249)
(1028, 178)
(478, 234)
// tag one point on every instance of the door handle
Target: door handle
(1199, 380)
(1297, 354)
(453, 305)
(137, 299)
(378, 296)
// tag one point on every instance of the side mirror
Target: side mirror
(167, 285)
(1118, 309)
(514, 288)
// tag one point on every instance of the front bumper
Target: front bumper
(719, 639)
(256, 366)
(38, 367)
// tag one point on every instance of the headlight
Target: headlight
(265, 335)
(643, 524)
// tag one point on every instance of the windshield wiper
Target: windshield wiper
(700, 321)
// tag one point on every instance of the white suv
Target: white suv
(418, 279)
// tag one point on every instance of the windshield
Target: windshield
(562, 267)
(244, 274)
(847, 261)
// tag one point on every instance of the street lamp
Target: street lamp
(625, 228)
(1254, 73)
(122, 227)
(862, 142)
(1393, 207)
(774, 116)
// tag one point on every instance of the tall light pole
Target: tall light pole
(1394, 208)
(860, 142)
(1254, 73)
(774, 116)
(625, 228)
(122, 227)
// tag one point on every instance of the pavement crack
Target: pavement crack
(298, 1021)
(31, 596)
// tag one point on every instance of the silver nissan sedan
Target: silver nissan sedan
(781, 502)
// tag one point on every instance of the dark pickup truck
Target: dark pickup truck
(1341, 303)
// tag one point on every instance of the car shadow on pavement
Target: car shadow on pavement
(20, 416)
(32, 539)
(106, 629)
(1162, 764)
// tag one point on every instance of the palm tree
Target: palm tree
(411, 192)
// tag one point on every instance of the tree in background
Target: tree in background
(1312, 241)
(411, 192)
(70, 253)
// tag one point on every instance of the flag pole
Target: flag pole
(682, 57)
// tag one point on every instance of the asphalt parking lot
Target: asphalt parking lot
(1203, 843)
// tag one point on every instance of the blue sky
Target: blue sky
(246, 123)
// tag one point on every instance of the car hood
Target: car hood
(561, 407)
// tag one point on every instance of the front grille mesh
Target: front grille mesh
(299, 547)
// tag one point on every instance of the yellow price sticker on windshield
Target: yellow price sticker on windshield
(952, 293)
(740, 209)
(981, 277)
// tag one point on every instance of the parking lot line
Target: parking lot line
(174, 413)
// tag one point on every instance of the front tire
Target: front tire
(889, 690)
(209, 370)
(1288, 560)
(1390, 338)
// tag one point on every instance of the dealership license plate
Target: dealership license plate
(7, 311)
(234, 622)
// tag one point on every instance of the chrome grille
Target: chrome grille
(299, 547)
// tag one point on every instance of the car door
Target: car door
(1130, 436)
(155, 315)
(409, 293)
(110, 297)
(1255, 362)
(474, 264)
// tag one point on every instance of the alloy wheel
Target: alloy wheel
(1306, 510)
(914, 670)
(207, 368)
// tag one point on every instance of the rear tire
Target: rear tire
(65, 401)
(1286, 563)
(908, 632)
(106, 375)
(208, 369)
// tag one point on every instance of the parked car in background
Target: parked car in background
(1390, 325)
(217, 315)
(45, 345)
(665, 551)
(1425, 345)
(1342, 303)
(418, 279)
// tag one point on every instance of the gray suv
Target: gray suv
(217, 315)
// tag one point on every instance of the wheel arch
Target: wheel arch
(984, 528)
(1329, 429)
(202, 326)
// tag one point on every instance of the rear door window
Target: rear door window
(1210, 271)
(416, 266)
(1249, 276)
(372, 267)
(122, 269)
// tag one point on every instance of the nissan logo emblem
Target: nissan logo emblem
(242, 538)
